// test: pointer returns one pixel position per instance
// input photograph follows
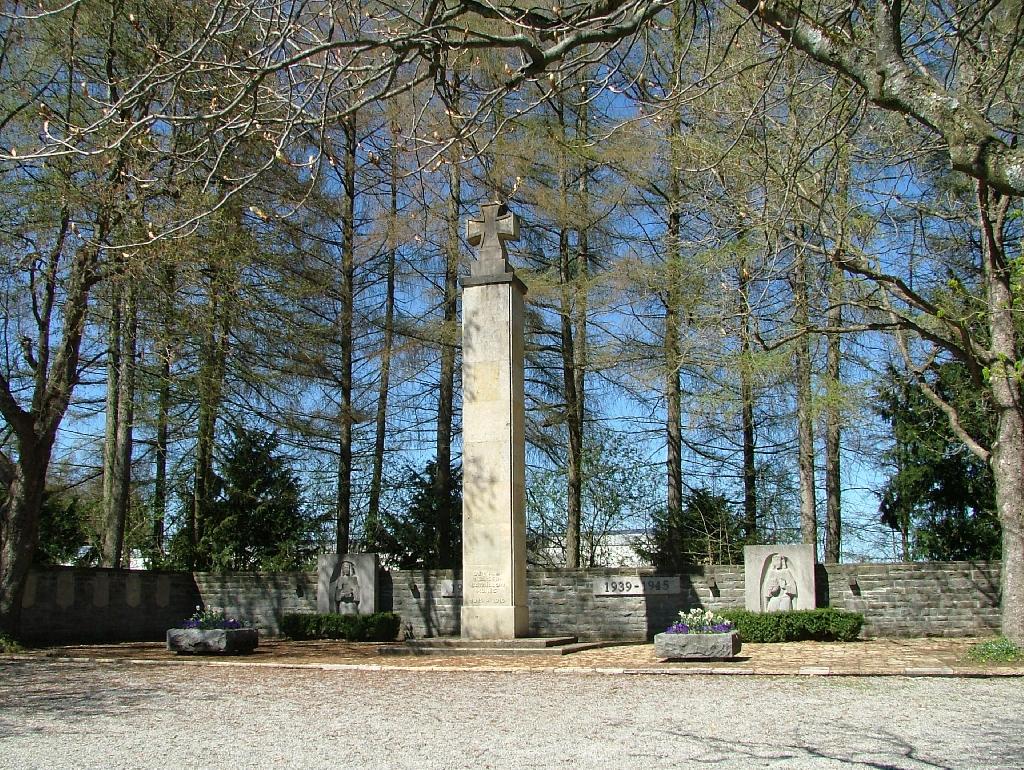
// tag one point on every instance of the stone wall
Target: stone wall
(562, 602)
(258, 599)
(65, 604)
(929, 599)
(934, 599)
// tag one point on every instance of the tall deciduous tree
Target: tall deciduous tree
(969, 108)
(69, 214)
(373, 513)
(449, 323)
(346, 329)
(120, 401)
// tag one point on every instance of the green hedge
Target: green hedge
(825, 624)
(378, 627)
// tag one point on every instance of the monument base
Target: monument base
(495, 622)
(550, 646)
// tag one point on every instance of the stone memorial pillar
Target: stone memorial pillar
(493, 440)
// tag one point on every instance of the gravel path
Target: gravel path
(60, 715)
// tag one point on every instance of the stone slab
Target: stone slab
(347, 583)
(495, 621)
(778, 577)
(230, 641)
(699, 646)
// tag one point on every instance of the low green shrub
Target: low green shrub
(998, 650)
(8, 645)
(378, 627)
(825, 624)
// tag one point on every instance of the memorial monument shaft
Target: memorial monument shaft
(494, 604)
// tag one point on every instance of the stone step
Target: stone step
(448, 646)
(445, 642)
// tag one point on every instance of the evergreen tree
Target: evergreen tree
(704, 531)
(412, 538)
(256, 519)
(940, 497)
(62, 529)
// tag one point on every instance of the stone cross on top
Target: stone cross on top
(496, 225)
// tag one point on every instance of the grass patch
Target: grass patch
(8, 645)
(998, 650)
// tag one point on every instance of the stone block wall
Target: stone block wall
(428, 601)
(930, 599)
(562, 602)
(71, 605)
(926, 599)
(258, 599)
(68, 605)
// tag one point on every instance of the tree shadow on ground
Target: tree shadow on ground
(64, 692)
(878, 750)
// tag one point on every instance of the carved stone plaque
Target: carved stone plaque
(347, 583)
(778, 577)
(635, 585)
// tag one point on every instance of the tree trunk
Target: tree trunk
(833, 361)
(672, 295)
(1007, 454)
(371, 530)
(163, 418)
(833, 424)
(580, 306)
(570, 381)
(804, 406)
(345, 318)
(110, 542)
(448, 340)
(573, 423)
(211, 385)
(120, 417)
(19, 527)
(1007, 460)
(747, 408)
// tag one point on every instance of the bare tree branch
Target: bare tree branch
(875, 61)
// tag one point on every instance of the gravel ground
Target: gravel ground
(61, 715)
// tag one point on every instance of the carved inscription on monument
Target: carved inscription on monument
(635, 585)
(485, 587)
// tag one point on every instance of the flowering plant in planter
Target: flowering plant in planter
(698, 621)
(210, 618)
(212, 631)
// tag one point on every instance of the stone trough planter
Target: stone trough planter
(697, 646)
(207, 641)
